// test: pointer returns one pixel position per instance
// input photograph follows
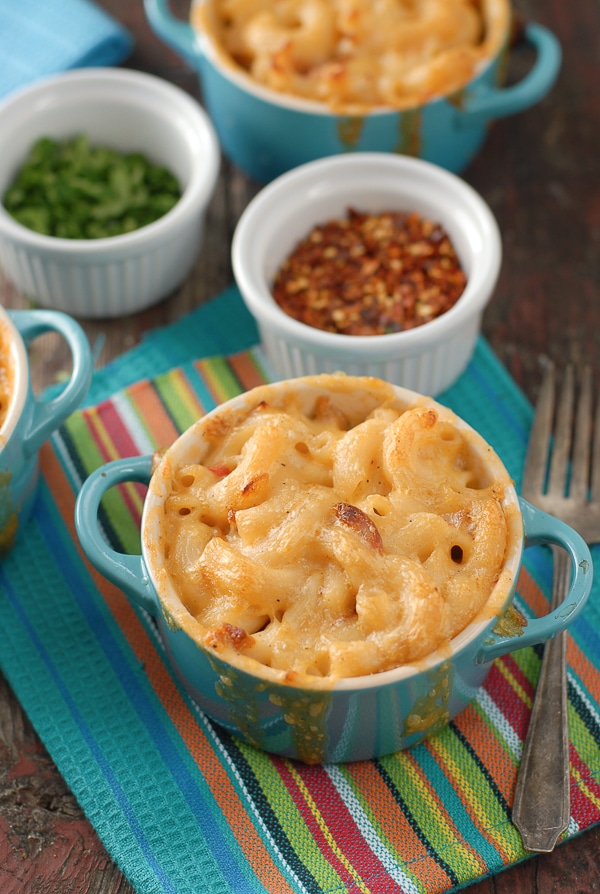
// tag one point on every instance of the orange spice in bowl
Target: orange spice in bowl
(371, 274)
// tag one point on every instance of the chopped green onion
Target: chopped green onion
(74, 190)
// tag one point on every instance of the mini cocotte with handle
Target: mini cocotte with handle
(355, 717)
(30, 420)
(267, 133)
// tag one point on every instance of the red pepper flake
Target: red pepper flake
(220, 470)
(371, 274)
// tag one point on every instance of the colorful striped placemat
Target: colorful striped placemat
(180, 805)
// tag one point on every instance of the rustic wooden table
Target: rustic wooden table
(540, 173)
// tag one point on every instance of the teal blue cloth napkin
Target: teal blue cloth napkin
(44, 37)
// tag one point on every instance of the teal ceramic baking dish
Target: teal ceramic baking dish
(265, 132)
(29, 419)
(307, 717)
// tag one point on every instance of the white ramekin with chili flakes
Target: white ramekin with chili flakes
(364, 304)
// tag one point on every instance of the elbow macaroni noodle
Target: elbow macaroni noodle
(330, 531)
(357, 55)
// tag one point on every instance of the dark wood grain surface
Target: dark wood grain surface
(540, 173)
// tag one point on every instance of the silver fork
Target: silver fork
(541, 805)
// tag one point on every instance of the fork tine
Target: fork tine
(580, 475)
(534, 470)
(562, 435)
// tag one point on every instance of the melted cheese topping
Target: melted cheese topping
(357, 55)
(6, 374)
(331, 531)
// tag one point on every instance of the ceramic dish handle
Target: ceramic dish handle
(543, 528)
(49, 414)
(487, 103)
(126, 571)
(176, 33)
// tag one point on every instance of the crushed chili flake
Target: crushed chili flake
(221, 470)
(371, 274)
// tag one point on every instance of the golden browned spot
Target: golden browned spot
(229, 635)
(255, 485)
(217, 426)
(429, 418)
(359, 522)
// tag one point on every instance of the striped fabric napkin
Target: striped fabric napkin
(182, 806)
(45, 37)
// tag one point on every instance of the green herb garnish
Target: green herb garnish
(74, 190)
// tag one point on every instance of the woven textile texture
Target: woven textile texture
(182, 806)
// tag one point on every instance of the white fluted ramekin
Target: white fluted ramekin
(427, 359)
(128, 111)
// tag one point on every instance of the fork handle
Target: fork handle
(541, 804)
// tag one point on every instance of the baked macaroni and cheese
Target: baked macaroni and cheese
(357, 55)
(6, 374)
(324, 529)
